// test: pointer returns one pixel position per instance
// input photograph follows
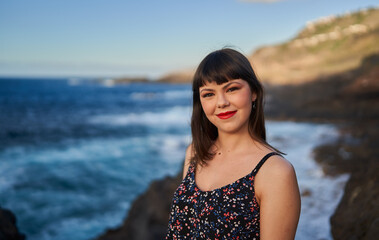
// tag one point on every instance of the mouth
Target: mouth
(226, 115)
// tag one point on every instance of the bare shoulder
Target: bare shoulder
(277, 192)
(276, 173)
(278, 166)
(187, 159)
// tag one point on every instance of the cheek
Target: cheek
(244, 100)
(207, 106)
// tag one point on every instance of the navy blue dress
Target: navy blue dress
(229, 212)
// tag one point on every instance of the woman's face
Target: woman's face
(227, 106)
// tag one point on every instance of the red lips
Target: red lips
(226, 115)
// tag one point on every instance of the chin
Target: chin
(230, 130)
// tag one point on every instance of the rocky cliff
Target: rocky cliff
(329, 45)
(8, 226)
(184, 76)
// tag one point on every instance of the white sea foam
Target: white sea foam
(171, 147)
(73, 81)
(77, 228)
(186, 94)
(143, 95)
(173, 116)
(93, 150)
(99, 171)
(298, 140)
(170, 95)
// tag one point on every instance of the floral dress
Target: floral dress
(229, 212)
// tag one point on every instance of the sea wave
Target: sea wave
(173, 116)
(84, 181)
(320, 193)
(169, 95)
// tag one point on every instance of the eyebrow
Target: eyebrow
(227, 85)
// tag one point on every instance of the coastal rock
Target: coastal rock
(357, 215)
(148, 216)
(8, 226)
(184, 76)
(324, 47)
(356, 152)
(131, 80)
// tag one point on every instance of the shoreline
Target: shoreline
(355, 153)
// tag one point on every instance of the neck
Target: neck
(235, 142)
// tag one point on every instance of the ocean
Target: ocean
(75, 153)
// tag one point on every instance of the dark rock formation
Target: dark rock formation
(357, 215)
(306, 57)
(184, 76)
(8, 227)
(148, 216)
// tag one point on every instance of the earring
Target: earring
(254, 104)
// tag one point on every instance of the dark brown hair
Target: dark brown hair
(222, 66)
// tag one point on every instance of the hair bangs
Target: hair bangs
(217, 67)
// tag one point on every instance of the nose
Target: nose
(222, 101)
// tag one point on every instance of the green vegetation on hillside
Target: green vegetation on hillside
(327, 46)
(369, 17)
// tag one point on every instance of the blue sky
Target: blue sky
(144, 37)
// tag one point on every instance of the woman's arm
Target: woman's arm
(279, 198)
(187, 160)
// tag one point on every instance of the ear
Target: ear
(253, 97)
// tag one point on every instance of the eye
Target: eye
(205, 95)
(232, 89)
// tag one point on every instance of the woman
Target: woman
(235, 185)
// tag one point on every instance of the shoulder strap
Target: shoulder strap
(191, 170)
(259, 165)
